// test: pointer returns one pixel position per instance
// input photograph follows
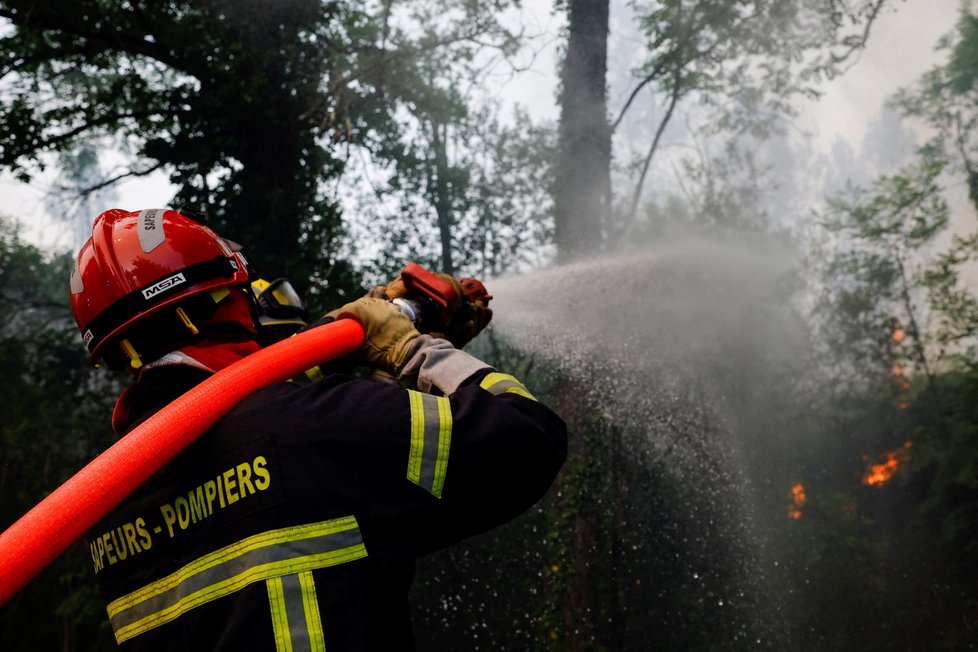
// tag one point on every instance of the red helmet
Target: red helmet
(137, 263)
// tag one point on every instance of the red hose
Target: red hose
(62, 518)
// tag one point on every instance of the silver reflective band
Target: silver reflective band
(295, 613)
(431, 438)
(75, 281)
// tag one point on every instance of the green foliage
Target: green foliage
(898, 324)
(220, 95)
(946, 97)
(251, 108)
(894, 561)
(877, 278)
(752, 55)
(723, 199)
(962, 69)
(442, 154)
(954, 304)
(500, 208)
(737, 66)
(55, 422)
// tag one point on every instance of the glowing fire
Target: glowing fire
(877, 475)
(900, 382)
(797, 500)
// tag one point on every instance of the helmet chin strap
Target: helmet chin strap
(206, 356)
(211, 351)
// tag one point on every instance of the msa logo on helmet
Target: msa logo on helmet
(164, 285)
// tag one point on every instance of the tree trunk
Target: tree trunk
(441, 195)
(582, 188)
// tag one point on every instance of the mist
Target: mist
(763, 345)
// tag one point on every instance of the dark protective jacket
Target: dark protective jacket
(294, 523)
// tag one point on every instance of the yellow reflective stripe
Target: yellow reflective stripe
(254, 542)
(431, 438)
(295, 613)
(222, 572)
(310, 605)
(417, 436)
(444, 443)
(280, 619)
(497, 383)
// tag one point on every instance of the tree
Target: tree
(220, 95)
(435, 161)
(430, 156)
(501, 218)
(582, 181)
(894, 380)
(893, 297)
(744, 62)
(898, 322)
(946, 98)
(874, 283)
(735, 66)
(251, 108)
(56, 423)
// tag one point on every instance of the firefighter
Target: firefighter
(294, 523)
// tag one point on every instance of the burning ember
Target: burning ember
(897, 334)
(877, 475)
(797, 500)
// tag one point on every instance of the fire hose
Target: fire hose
(43, 533)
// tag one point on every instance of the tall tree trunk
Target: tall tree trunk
(441, 195)
(582, 189)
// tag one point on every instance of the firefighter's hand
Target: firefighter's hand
(388, 333)
(467, 320)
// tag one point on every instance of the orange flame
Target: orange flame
(877, 475)
(797, 500)
(900, 381)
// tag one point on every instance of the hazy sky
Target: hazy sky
(901, 48)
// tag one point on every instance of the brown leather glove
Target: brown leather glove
(467, 320)
(393, 290)
(388, 333)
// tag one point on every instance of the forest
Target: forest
(767, 360)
